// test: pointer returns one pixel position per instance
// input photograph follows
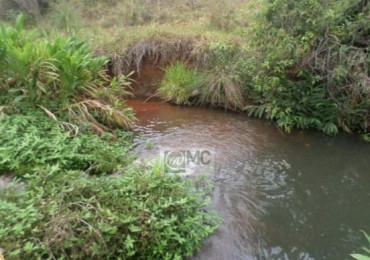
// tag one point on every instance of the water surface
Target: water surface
(282, 196)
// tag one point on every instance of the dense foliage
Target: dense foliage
(310, 64)
(305, 64)
(137, 215)
(60, 76)
(33, 143)
(65, 206)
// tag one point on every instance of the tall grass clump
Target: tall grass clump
(64, 15)
(218, 82)
(223, 86)
(180, 84)
(61, 77)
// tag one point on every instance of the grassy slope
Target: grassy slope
(113, 25)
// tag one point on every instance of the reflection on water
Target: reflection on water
(297, 196)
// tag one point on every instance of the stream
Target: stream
(302, 195)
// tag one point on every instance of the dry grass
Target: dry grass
(223, 90)
(117, 39)
(114, 116)
(163, 52)
(110, 25)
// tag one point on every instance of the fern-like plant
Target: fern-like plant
(61, 75)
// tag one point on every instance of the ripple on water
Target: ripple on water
(297, 196)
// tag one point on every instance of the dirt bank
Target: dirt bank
(148, 58)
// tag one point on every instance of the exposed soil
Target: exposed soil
(148, 58)
(145, 83)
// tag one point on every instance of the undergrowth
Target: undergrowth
(32, 143)
(137, 215)
(66, 204)
(311, 69)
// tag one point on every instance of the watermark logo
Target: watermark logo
(1, 254)
(183, 161)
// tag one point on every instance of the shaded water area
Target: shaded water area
(282, 196)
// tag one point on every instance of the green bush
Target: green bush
(137, 215)
(62, 212)
(310, 64)
(33, 142)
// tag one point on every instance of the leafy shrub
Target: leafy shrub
(180, 84)
(136, 215)
(301, 107)
(33, 142)
(311, 69)
(61, 75)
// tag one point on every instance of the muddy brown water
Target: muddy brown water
(282, 196)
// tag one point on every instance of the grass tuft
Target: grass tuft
(180, 84)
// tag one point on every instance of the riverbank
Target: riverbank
(75, 191)
(218, 53)
(66, 127)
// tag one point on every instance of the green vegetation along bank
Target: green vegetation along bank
(76, 192)
(303, 64)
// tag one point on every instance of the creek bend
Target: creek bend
(302, 195)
